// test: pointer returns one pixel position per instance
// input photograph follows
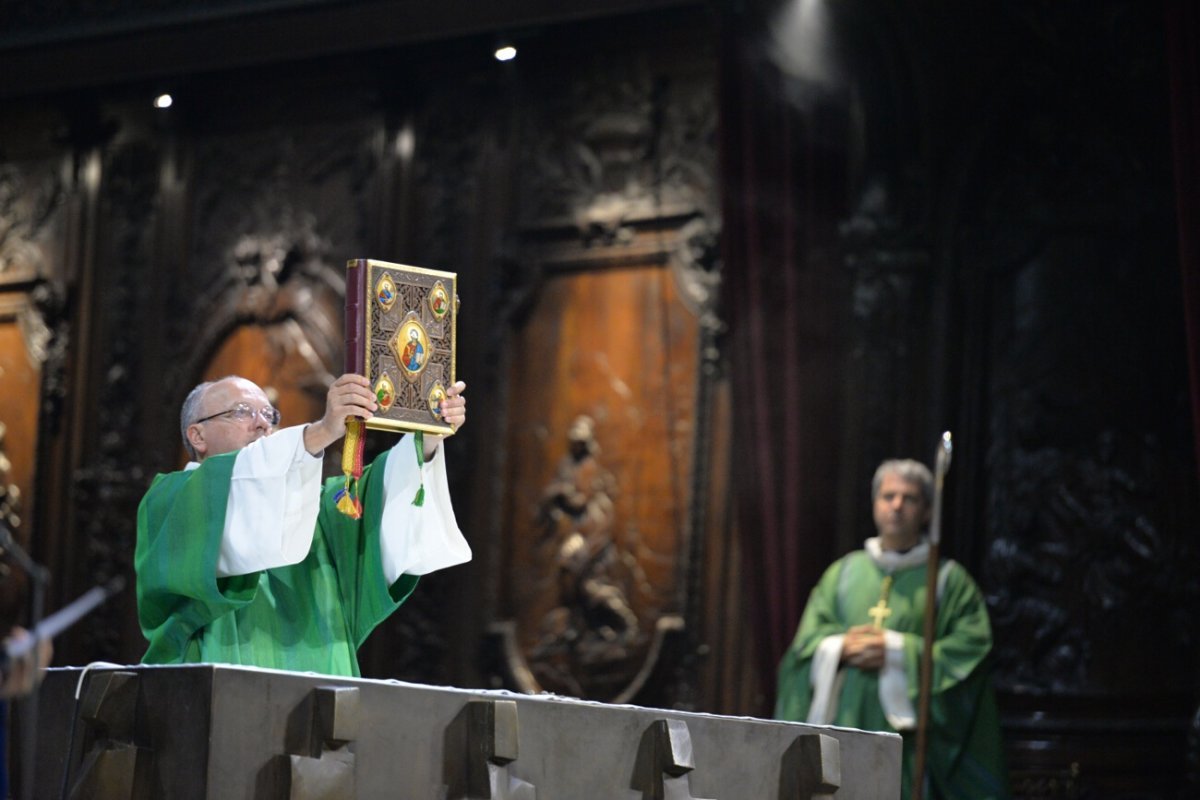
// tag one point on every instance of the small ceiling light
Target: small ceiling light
(163, 101)
(506, 52)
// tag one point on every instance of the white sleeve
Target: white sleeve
(417, 540)
(825, 678)
(274, 499)
(893, 684)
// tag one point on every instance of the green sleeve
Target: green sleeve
(820, 619)
(966, 756)
(180, 524)
(354, 547)
(963, 635)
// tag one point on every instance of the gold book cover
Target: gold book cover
(401, 333)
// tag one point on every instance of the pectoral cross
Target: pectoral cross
(880, 611)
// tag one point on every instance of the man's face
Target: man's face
(224, 434)
(900, 512)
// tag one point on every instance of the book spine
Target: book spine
(356, 335)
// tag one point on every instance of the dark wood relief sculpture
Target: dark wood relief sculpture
(30, 197)
(616, 272)
(1075, 372)
(276, 217)
(20, 372)
(1088, 470)
(616, 544)
(619, 140)
(10, 519)
(593, 626)
(10, 493)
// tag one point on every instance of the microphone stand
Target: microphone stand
(39, 576)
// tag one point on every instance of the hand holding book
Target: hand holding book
(349, 396)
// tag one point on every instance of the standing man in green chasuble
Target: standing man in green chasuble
(243, 558)
(856, 657)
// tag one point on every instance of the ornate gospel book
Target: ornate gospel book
(401, 333)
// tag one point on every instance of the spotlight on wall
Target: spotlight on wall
(505, 51)
(164, 100)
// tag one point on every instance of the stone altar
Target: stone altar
(217, 732)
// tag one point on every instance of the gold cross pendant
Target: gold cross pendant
(880, 611)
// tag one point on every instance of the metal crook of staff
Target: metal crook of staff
(942, 465)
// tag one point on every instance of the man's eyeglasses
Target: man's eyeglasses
(243, 412)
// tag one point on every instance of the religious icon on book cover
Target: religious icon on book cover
(385, 292)
(410, 345)
(385, 392)
(439, 301)
(401, 324)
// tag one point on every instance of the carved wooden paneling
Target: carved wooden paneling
(1075, 302)
(602, 387)
(276, 215)
(20, 374)
(110, 363)
(609, 304)
(20, 369)
(31, 200)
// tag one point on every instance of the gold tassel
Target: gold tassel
(346, 498)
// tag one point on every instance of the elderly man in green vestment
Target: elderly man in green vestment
(243, 558)
(856, 655)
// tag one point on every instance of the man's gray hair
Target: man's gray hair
(190, 413)
(908, 470)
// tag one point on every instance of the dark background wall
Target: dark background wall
(861, 224)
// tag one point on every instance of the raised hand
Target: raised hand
(348, 396)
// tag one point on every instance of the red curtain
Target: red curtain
(1183, 65)
(783, 185)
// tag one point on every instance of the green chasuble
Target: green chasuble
(965, 758)
(311, 616)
